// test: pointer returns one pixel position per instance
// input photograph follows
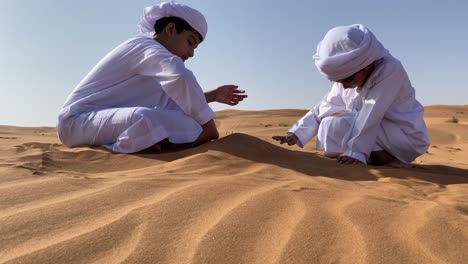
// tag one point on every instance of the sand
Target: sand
(241, 199)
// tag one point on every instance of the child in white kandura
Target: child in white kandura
(140, 95)
(383, 122)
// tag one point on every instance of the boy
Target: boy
(141, 96)
(383, 123)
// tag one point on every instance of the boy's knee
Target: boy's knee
(215, 134)
(339, 121)
(149, 115)
(142, 112)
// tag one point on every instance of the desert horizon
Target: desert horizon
(243, 198)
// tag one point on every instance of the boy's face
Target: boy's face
(182, 44)
(358, 79)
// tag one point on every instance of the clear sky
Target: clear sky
(265, 47)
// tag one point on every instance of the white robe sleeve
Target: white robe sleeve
(384, 90)
(178, 83)
(306, 128)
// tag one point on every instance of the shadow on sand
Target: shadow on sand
(257, 150)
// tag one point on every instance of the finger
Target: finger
(236, 98)
(236, 101)
(237, 91)
(344, 160)
(240, 97)
(230, 86)
(277, 137)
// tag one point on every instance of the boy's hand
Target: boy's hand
(347, 160)
(209, 132)
(290, 138)
(229, 94)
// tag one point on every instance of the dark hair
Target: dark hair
(180, 25)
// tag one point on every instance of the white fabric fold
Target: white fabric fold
(347, 49)
(153, 13)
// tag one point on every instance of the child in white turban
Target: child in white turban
(141, 96)
(383, 122)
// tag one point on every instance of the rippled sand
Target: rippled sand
(241, 199)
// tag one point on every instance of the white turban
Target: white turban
(347, 49)
(153, 13)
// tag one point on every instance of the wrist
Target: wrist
(211, 96)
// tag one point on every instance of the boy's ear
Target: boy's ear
(170, 29)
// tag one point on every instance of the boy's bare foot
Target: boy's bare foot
(208, 133)
(165, 146)
(156, 148)
(348, 160)
(382, 157)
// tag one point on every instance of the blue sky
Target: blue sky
(265, 47)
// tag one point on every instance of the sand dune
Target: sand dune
(240, 199)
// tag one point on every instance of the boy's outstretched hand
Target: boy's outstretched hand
(290, 138)
(226, 94)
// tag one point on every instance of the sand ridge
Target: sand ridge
(240, 199)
